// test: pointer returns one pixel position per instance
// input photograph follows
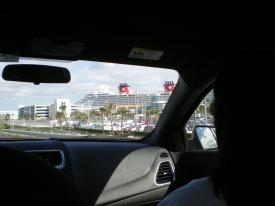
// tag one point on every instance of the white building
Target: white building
(57, 107)
(69, 108)
(44, 111)
(34, 112)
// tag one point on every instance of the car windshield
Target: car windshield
(102, 100)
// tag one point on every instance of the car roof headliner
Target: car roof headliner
(108, 39)
(188, 45)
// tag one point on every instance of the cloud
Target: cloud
(86, 77)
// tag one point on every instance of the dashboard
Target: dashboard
(107, 173)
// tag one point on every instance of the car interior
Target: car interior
(73, 171)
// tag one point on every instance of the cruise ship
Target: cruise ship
(129, 100)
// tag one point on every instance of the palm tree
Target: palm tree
(80, 116)
(60, 117)
(102, 111)
(63, 111)
(63, 108)
(109, 112)
(27, 117)
(7, 118)
(123, 113)
(153, 113)
(200, 109)
(36, 117)
(94, 114)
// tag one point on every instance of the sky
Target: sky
(86, 77)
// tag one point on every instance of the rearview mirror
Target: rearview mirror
(36, 73)
(206, 136)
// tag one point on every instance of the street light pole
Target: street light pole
(205, 111)
(194, 123)
(12, 122)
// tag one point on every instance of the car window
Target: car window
(103, 100)
(199, 131)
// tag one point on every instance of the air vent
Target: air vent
(165, 173)
(53, 157)
(163, 155)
